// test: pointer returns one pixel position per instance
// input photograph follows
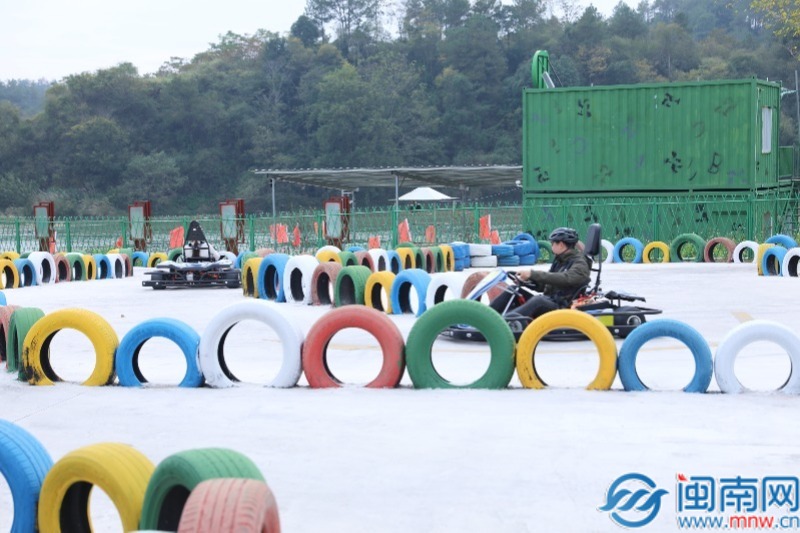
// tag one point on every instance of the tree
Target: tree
(153, 176)
(305, 30)
(784, 16)
(95, 154)
(627, 23)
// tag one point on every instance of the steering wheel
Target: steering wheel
(514, 276)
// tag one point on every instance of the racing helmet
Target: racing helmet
(566, 235)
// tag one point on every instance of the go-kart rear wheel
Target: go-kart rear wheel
(232, 280)
(157, 278)
(626, 319)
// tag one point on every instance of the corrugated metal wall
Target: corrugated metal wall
(661, 137)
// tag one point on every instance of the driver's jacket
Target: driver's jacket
(569, 272)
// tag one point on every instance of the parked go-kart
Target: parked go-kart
(614, 309)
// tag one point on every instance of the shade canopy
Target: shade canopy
(424, 194)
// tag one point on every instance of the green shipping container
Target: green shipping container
(704, 136)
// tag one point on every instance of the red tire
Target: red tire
(365, 259)
(430, 260)
(63, 268)
(226, 505)
(323, 281)
(708, 252)
(315, 347)
(128, 265)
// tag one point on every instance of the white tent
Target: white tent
(424, 194)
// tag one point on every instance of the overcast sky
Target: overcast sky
(51, 39)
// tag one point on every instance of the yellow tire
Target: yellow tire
(762, 248)
(250, 276)
(378, 291)
(10, 255)
(407, 258)
(449, 257)
(91, 266)
(122, 472)
(35, 351)
(566, 318)
(9, 275)
(326, 256)
(155, 259)
(656, 245)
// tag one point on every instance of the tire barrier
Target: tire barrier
(566, 318)
(297, 276)
(748, 333)
(22, 320)
(438, 259)
(429, 261)
(425, 330)
(472, 281)
(44, 265)
(228, 505)
(782, 240)
(348, 259)
(104, 268)
(91, 267)
(9, 275)
(545, 251)
(77, 267)
(448, 258)
(364, 259)
(395, 265)
(177, 475)
(230, 256)
(480, 250)
(380, 259)
(719, 243)
(654, 246)
(26, 271)
(175, 254)
(443, 284)
(530, 239)
(703, 361)
(350, 285)
(329, 248)
(212, 341)
(36, 350)
(790, 262)
(270, 277)
(323, 283)
(250, 277)
(10, 255)
(414, 278)
(128, 264)
(772, 261)
(119, 268)
(608, 246)
(325, 256)
(407, 258)
(139, 259)
(126, 361)
(5, 322)
(24, 463)
(762, 249)
(622, 244)
(264, 252)
(378, 291)
(742, 248)
(63, 269)
(355, 249)
(677, 246)
(119, 470)
(380, 326)
(484, 261)
(3, 299)
(156, 258)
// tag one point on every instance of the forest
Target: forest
(440, 85)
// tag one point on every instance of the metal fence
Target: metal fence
(650, 218)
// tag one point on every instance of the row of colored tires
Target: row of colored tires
(44, 268)
(693, 248)
(205, 355)
(209, 490)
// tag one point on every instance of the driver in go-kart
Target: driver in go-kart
(569, 272)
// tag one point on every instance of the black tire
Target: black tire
(158, 281)
(629, 321)
(232, 280)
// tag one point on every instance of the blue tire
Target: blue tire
(401, 290)
(355, 249)
(394, 265)
(502, 250)
(772, 261)
(782, 240)
(270, 277)
(139, 259)
(511, 260)
(3, 299)
(528, 260)
(460, 250)
(126, 361)
(628, 241)
(24, 463)
(104, 268)
(521, 247)
(27, 272)
(703, 361)
(527, 237)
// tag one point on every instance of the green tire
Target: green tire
(351, 284)
(676, 248)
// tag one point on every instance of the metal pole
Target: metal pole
(272, 180)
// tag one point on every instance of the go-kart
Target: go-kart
(202, 266)
(614, 309)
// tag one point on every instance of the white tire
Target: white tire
(489, 261)
(230, 256)
(211, 353)
(748, 333)
(297, 276)
(45, 267)
(791, 262)
(741, 247)
(480, 250)
(118, 267)
(380, 258)
(608, 246)
(441, 285)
